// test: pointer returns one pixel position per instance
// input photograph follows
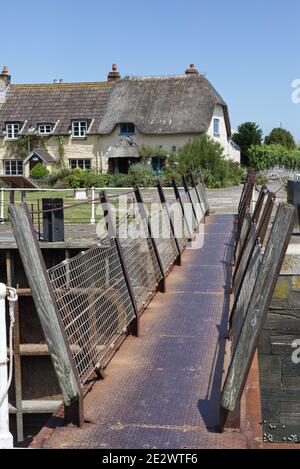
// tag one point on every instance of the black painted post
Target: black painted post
(112, 232)
(143, 213)
(186, 188)
(178, 198)
(164, 203)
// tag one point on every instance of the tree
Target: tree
(280, 136)
(206, 154)
(248, 134)
(201, 152)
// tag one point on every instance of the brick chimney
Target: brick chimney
(114, 75)
(5, 80)
(191, 70)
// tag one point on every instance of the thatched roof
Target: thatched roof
(55, 103)
(163, 105)
(123, 149)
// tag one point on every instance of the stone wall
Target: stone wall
(279, 375)
(279, 173)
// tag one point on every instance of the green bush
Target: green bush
(142, 175)
(263, 157)
(207, 155)
(76, 179)
(39, 171)
(119, 180)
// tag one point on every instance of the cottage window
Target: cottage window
(12, 131)
(127, 128)
(82, 164)
(13, 167)
(216, 127)
(79, 129)
(45, 129)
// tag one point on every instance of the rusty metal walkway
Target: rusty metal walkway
(163, 389)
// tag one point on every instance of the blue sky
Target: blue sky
(248, 50)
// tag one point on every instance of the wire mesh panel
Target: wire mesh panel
(197, 206)
(203, 196)
(94, 304)
(181, 231)
(188, 211)
(140, 258)
(162, 232)
(245, 295)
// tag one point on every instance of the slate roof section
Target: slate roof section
(41, 153)
(163, 105)
(51, 103)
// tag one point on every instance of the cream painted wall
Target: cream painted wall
(95, 147)
(73, 149)
(229, 151)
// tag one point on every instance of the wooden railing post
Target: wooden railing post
(257, 308)
(49, 316)
(113, 232)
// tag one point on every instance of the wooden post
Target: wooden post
(164, 203)
(259, 204)
(258, 307)
(144, 216)
(112, 232)
(49, 316)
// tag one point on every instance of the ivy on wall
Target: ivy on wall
(24, 145)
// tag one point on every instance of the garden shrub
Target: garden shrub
(142, 174)
(39, 171)
(263, 157)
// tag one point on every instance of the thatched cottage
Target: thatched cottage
(101, 125)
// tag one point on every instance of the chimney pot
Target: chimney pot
(192, 70)
(114, 75)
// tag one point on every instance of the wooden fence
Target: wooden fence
(259, 254)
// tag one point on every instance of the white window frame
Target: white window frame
(84, 160)
(45, 129)
(10, 172)
(12, 131)
(79, 129)
(218, 120)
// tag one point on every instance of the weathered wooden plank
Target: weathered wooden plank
(241, 307)
(270, 370)
(51, 323)
(258, 306)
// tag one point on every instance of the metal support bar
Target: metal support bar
(51, 322)
(178, 198)
(186, 188)
(164, 203)
(143, 213)
(112, 231)
(198, 195)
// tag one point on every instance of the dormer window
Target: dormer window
(45, 129)
(12, 131)
(79, 129)
(127, 128)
